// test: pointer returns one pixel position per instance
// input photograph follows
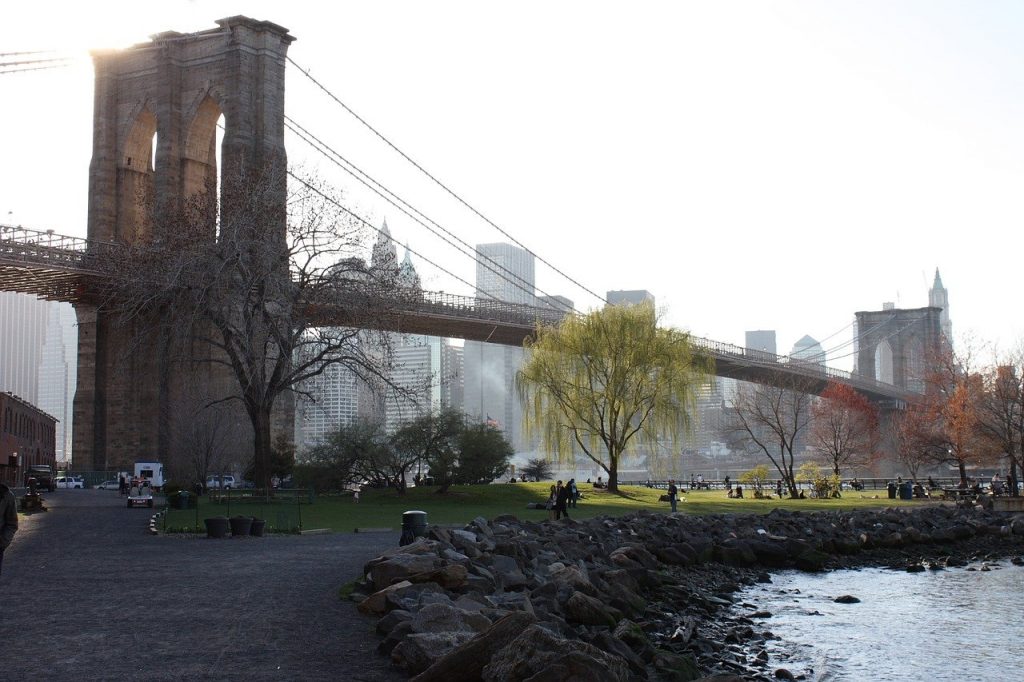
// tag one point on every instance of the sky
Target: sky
(754, 165)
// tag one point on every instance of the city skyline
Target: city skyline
(841, 163)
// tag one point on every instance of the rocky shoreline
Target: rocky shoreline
(641, 597)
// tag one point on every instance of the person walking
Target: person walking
(561, 501)
(673, 494)
(574, 493)
(552, 499)
(122, 485)
(8, 520)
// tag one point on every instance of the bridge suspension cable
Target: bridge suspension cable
(440, 184)
(8, 65)
(373, 227)
(462, 246)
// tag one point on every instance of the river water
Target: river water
(954, 624)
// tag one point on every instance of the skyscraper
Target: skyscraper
(938, 297)
(490, 369)
(632, 296)
(762, 340)
(505, 272)
(58, 370)
(22, 333)
(808, 350)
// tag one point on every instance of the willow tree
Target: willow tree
(603, 382)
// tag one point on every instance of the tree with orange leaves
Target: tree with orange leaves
(946, 419)
(844, 428)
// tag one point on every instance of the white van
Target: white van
(226, 481)
(152, 472)
(70, 482)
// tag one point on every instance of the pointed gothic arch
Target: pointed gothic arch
(136, 178)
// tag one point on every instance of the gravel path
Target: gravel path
(87, 594)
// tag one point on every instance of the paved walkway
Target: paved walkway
(87, 594)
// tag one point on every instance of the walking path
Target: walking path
(87, 594)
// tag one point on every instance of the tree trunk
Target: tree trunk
(1012, 478)
(613, 473)
(963, 472)
(262, 446)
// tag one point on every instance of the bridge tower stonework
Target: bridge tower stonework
(171, 91)
(895, 345)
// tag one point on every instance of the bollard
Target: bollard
(414, 525)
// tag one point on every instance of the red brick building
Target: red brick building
(27, 437)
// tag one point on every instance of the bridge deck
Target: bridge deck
(55, 267)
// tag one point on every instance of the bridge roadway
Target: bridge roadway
(56, 267)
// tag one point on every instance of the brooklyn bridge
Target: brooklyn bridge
(177, 88)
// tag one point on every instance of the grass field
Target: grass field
(384, 508)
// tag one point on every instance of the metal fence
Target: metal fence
(281, 509)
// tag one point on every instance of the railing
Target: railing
(791, 365)
(35, 246)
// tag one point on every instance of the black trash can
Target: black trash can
(257, 527)
(891, 489)
(216, 527)
(181, 500)
(907, 490)
(414, 525)
(240, 525)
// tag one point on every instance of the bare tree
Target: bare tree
(844, 428)
(270, 290)
(770, 420)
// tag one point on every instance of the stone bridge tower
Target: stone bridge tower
(171, 91)
(895, 345)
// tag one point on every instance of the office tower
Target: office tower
(808, 350)
(453, 377)
(559, 303)
(630, 296)
(505, 272)
(761, 340)
(938, 297)
(58, 369)
(22, 333)
(490, 369)
(333, 399)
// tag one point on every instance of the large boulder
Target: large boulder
(401, 567)
(466, 662)
(418, 651)
(378, 602)
(448, 618)
(586, 610)
(540, 655)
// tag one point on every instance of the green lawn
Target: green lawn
(384, 508)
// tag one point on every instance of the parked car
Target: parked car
(70, 482)
(112, 484)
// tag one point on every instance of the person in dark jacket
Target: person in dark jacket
(8, 520)
(673, 494)
(561, 501)
(574, 493)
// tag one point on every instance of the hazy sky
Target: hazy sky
(755, 165)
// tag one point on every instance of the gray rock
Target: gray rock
(537, 652)
(846, 599)
(448, 618)
(586, 610)
(507, 571)
(401, 566)
(416, 652)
